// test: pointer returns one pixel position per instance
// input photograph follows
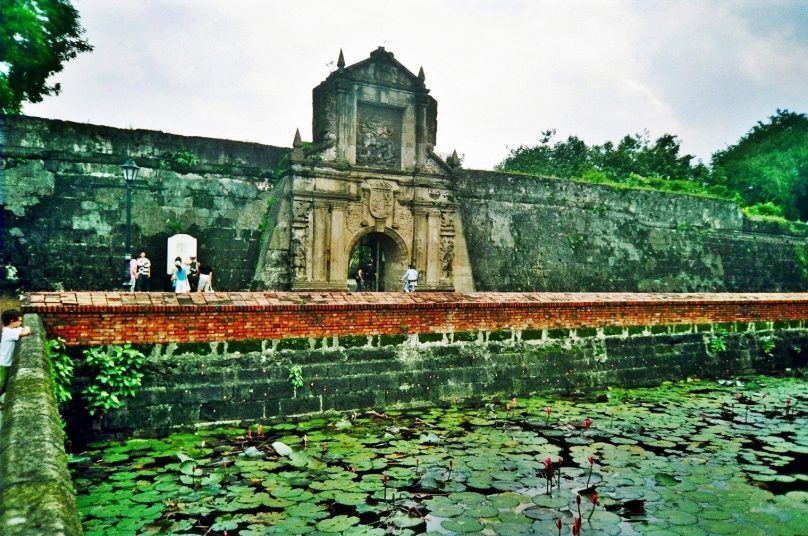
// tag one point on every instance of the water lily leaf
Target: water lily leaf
(549, 501)
(462, 524)
(349, 499)
(403, 520)
(308, 510)
(664, 479)
(252, 452)
(342, 424)
(191, 468)
(337, 523)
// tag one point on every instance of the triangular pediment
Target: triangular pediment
(382, 68)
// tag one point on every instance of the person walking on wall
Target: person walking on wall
(12, 331)
(132, 272)
(180, 277)
(205, 277)
(143, 283)
(410, 279)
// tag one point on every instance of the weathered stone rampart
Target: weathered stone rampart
(64, 204)
(36, 492)
(64, 214)
(545, 234)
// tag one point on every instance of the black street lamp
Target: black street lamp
(130, 170)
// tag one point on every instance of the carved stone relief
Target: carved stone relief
(380, 202)
(378, 136)
(404, 221)
(353, 217)
(447, 220)
(448, 256)
(299, 250)
(301, 210)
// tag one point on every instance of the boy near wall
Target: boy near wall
(12, 331)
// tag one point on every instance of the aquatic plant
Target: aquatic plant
(673, 462)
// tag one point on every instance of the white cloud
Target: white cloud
(501, 71)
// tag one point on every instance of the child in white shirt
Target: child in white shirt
(12, 331)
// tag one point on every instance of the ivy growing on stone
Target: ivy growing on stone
(117, 375)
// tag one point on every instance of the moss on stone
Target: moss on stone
(391, 340)
(297, 343)
(245, 346)
(636, 330)
(558, 333)
(612, 330)
(586, 332)
(657, 330)
(531, 334)
(465, 336)
(501, 335)
(353, 341)
(430, 337)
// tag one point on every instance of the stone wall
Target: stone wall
(544, 234)
(235, 384)
(109, 318)
(64, 207)
(36, 492)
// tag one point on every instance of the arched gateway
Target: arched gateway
(371, 173)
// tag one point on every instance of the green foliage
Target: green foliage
(184, 160)
(116, 375)
(768, 344)
(764, 209)
(296, 376)
(37, 38)
(717, 343)
(61, 370)
(633, 157)
(769, 164)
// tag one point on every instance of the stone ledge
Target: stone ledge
(36, 493)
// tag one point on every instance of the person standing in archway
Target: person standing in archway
(369, 275)
(410, 279)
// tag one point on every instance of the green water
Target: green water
(688, 458)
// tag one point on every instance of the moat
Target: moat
(693, 457)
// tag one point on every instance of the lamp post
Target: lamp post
(130, 170)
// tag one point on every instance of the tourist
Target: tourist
(143, 283)
(369, 273)
(205, 278)
(132, 272)
(12, 331)
(410, 279)
(180, 277)
(193, 273)
(360, 278)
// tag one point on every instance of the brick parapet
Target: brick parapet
(95, 318)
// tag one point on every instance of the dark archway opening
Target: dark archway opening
(383, 255)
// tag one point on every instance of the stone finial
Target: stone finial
(454, 160)
(297, 148)
(421, 75)
(340, 61)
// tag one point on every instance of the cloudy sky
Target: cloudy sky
(501, 70)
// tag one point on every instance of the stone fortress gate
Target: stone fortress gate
(370, 177)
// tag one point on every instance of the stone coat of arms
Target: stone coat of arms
(381, 199)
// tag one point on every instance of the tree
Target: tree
(633, 155)
(36, 38)
(769, 164)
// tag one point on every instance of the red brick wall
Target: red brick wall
(94, 318)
